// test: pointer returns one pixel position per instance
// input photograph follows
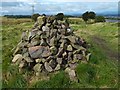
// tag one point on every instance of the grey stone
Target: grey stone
(45, 28)
(52, 63)
(70, 56)
(57, 67)
(78, 57)
(59, 60)
(39, 52)
(43, 43)
(63, 26)
(43, 60)
(69, 48)
(17, 57)
(53, 50)
(34, 43)
(67, 69)
(88, 56)
(43, 35)
(64, 55)
(60, 52)
(63, 31)
(37, 67)
(22, 64)
(32, 33)
(50, 57)
(73, 65)
(28, 59)
(47, 67)
(52, 41)
(76, 46)
(72, 75)
(38, 60)
(72, 39)
(69, 31)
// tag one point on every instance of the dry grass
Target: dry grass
(13, 21)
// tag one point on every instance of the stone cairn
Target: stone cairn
(50, 46)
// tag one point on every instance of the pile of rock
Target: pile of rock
(50, 46)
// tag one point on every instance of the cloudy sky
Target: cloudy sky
(71, 7)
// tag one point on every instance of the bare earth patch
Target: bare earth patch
(103, 45)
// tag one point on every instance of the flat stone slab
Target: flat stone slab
(39, 51)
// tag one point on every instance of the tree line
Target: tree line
(87, 16)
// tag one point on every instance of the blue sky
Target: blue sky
(24, 7)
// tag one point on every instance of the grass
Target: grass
(100, 72)
(59, 80)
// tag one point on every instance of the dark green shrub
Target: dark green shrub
(88, 15)
(99, 19)
(35, 16)
(60, 16)
(85, 16)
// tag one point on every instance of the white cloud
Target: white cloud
(84, 0)
(17, 0)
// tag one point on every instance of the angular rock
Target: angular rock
(64, 55)
(43, 43)
(17, 57)
(63, 31)
(28, 59)
(57, 67)
(52, 63)
(60, 52)
(50, 57)
(67, 70)
(47, 67)
(22, 64)
(77, 57)
(38, 60)
(43, 60)
(52, 41)
(72, 39)
(72, 75)
(45, 28)
(39, 52)
(37, 67)
(73, 65)
(43, 35)
(88, 56)
(69, 48)
(59, 60)
(70, 56)
(53, 50)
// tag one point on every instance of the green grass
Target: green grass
(101, 71)
(59, 80)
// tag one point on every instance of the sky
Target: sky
(69, 7)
